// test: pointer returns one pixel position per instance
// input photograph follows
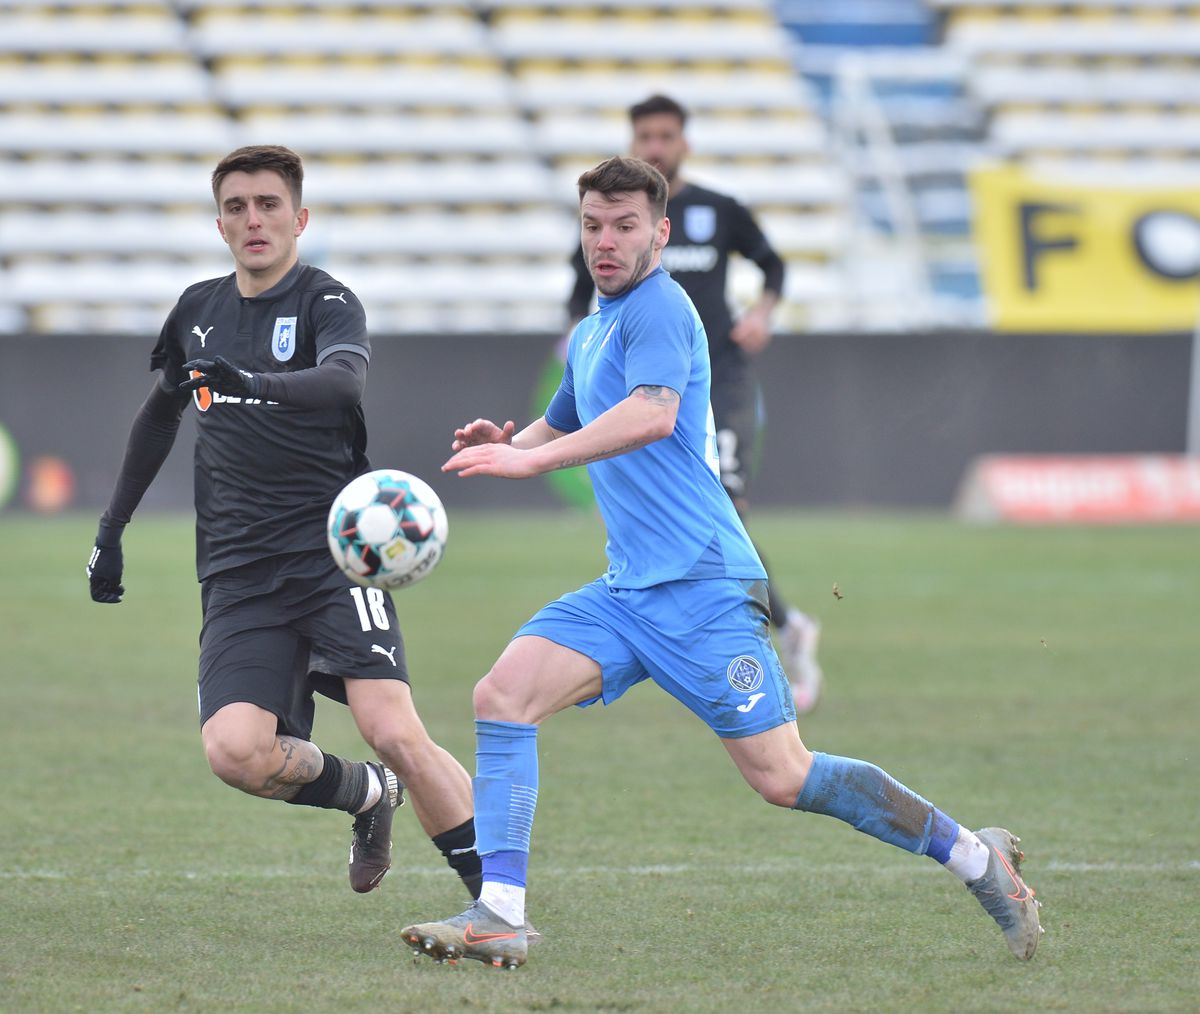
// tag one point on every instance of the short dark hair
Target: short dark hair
(257, 157)
(623, 174)
(658, 104)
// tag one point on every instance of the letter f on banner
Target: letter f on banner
(1034, 247)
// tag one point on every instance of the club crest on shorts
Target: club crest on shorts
(699, 222)
(745, 673)
(283, 339)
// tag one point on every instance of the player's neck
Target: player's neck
(675, 185)
(255, 283)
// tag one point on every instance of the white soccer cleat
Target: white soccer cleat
(798, 640)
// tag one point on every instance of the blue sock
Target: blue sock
(876, 804)
(506, 787)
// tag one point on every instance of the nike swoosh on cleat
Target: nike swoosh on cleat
(1023, 893)
(471, 937)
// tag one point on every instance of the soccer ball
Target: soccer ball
(387, 529)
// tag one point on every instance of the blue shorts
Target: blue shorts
(706, 643)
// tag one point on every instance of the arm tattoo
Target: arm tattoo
(656, 394)
(610, 452)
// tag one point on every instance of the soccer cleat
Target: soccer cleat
(1004, 895)
(533, 936)
(478, 933)
(798, 639)
(371, 837)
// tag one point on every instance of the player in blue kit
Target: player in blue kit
(683, 601)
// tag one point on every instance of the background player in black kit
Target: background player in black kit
(706, 227)
(274, 357)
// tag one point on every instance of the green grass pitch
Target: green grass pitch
(1044, 680)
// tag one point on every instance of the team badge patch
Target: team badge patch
(700, 222)
(745, 673)
(283, 339)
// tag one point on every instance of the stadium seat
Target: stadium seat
(223, 34)
(129, 232)
(347, 134)
(196, 134)
(158, 82)
(605, 90)
(146, 34)
(341, 83)
(663, 39)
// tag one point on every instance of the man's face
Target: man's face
(658, 139)
(258, 221)
(621, 241)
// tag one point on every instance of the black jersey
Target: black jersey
(266, 473)
(705, 228)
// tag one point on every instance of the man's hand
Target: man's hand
(753, 330)
(483, 431)
(221, 377)
(104, 569)
(496, 458)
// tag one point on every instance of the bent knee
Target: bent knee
(234, 757)
(494, 700)
(780, 794)
(401, 746)
(780, 788)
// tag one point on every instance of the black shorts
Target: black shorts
(277, 630)
(740, 419)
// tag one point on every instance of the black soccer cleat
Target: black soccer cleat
(371, 837)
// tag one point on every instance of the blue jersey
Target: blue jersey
(667, 515)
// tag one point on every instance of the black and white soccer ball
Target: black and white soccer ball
(387, 529)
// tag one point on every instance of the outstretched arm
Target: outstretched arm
(150, 440)
(646, 415)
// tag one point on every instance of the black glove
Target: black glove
(222, 377)
(106, 565)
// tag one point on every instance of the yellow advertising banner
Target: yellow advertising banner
(1062, 256)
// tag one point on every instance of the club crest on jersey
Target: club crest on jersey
(283, 339)
(745, 673)
(700, 222)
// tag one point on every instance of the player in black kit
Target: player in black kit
(705, 228)
(274, 358)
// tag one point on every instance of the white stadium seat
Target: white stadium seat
(1046, 37)
(476, 234)
(127, 133)
(509, 181)
(547, 90)
(37, 35)
(124, 233)
(106, 281)
(562, 134)
(570, 39)
(160, 83)
(1017, 131)
(382, 134)
(354, 85)
(224, 34)
(1013, 84)
(104, 181)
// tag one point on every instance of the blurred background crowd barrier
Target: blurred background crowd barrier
(935, 172)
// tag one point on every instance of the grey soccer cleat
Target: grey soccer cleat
(533, 936)
(371, 837)
(478, 933)
(1004, 895)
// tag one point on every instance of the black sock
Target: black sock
(778, 608)
(341, 785)
(458, 846)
